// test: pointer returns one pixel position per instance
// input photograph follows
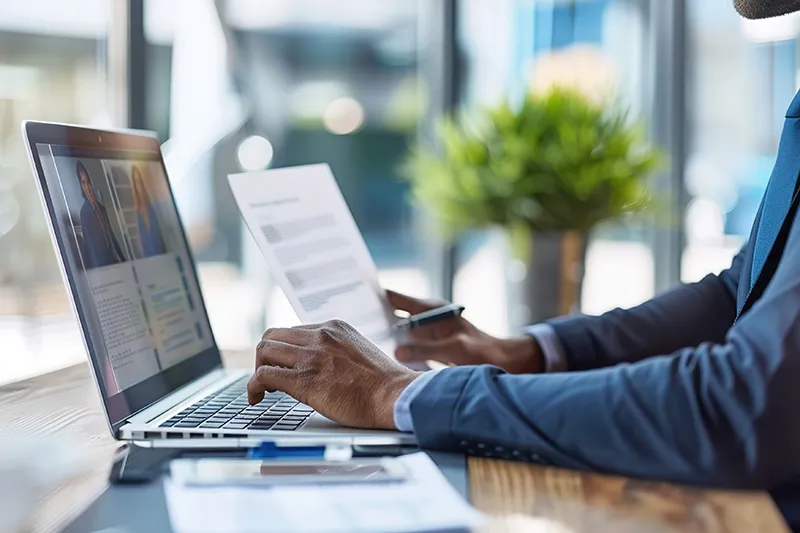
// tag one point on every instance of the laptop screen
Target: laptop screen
(129, 265)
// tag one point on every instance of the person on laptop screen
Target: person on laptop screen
(146, 220)
(99, 246)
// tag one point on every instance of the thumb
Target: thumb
(449, 350)
(407, 303)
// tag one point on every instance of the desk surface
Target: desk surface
(519, 497)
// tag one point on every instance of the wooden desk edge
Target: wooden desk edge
(516, 495)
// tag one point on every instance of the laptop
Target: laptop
(125, 259)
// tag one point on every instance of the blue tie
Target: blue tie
(780, 189)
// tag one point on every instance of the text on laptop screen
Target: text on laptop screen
(123, 236)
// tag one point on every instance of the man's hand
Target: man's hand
(333, 369)
(457, 341)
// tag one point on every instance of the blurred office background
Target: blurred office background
(250, 84)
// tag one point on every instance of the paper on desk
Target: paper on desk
(301, 222)
(425, 503)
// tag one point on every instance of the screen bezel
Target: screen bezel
(137, 397)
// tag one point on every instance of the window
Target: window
(285, 83)
(53, 66)
(510, 45)
(743, 75)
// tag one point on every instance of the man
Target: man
(99, 245)
(698, 385)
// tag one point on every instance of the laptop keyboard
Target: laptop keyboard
(228, 409)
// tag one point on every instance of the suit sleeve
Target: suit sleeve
(722, 413)
(685, 316)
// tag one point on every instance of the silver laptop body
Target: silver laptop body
(129, 272)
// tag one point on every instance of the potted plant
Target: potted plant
(548, 171)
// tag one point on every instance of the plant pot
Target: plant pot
(554, 278)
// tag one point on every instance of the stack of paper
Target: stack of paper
(426, 502)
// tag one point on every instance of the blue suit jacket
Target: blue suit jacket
(698, 385)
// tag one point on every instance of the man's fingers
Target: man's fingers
(450, 350)
(278, 353)
(407, 303)
(297, 335)
(267, 379)
(275, 346)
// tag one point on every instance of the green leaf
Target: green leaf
(555, 162)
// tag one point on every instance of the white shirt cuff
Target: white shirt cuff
(402, 407)
(555, 360)
(545, 335)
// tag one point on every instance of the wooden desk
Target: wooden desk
(519, 497)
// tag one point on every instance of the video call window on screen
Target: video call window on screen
(122, 232)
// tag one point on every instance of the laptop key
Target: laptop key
(258, 424)
(293, 418)
(212, 425)
(185, 424)
(167, 424)
(285, 427)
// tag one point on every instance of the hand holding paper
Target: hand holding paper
(300, 221)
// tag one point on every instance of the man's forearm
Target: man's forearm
(544, 342)
(686, 316)
(645, 420)
(718, 413)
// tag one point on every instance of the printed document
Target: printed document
(427, 502)
(301, 222)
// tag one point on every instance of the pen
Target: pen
(429, 317)
(269, 450)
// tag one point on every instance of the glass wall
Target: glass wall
(514, 44)
(743, 75)
(53, 66)
(245, 85)
(237, 85)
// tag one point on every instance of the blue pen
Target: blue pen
(270, 450)
(430, 316)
